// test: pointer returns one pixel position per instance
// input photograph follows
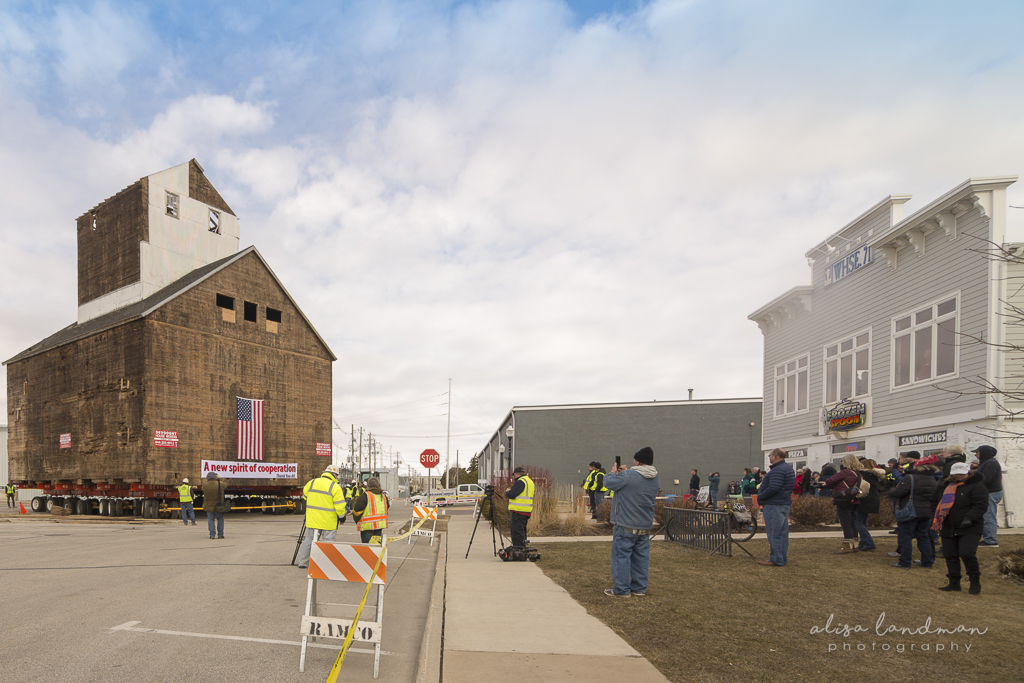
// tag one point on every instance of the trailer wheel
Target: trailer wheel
(103, 507)
(38, 504)
(118, 508)
(71, 505)
(300, 507)
(83, 507)
(266, 509)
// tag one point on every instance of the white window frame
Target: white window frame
(794, 376)
(825, 358)
(173, 203)
(934, 324)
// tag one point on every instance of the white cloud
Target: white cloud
(556, 213)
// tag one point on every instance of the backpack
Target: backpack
(864, 488)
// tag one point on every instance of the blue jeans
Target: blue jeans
(631, 561)
(323, 536)
(220, 523)
(714, 497)
(598, 500)
(908, 531)
(187, 513)
(776, 524)
(866, 542)
(991, 523)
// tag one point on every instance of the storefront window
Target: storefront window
(791, 386)
(924, 344)
(847, 368)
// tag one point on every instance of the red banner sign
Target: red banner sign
(165, 439)
(323, 449)
(65, 441)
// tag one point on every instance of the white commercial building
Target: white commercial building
(904, 340)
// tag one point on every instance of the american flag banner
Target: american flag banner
(250, 429)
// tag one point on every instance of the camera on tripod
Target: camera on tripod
(489, 490)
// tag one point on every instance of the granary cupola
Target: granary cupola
(148, 235)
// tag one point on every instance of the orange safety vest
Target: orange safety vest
(375, 516)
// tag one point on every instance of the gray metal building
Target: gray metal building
(721, 435)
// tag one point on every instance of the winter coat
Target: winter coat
(695, 482)
(749, 486)
(635, 492)
(213, 493)
(970, 502)
(827, 471)
(777, 485)
(875, 478)
(924, 489)
(840, 481)
(713, 483)
(991, 473)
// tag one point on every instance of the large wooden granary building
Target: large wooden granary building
(176, 328)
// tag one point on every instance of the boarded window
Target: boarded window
(250, 311)
(214, 221)
(172, 204)
(273, 315)
(225, 301)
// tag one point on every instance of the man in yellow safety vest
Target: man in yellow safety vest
(325, 506)
(10, 495)
(370, 509)
(520, 505)
(185, 498)
(595, 488)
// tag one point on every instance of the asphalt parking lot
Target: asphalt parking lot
(155, 600)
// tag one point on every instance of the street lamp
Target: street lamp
(750, 446)
(501, 458)
(511, 453)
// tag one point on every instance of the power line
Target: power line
(349, 418)
(429, 436)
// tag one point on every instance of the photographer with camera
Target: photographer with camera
(325, 509)
(520, 505)
(633, 516)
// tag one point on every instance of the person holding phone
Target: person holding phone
(635, 491)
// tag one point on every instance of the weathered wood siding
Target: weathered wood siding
(108, 256)
(90, 389)
(198, 363)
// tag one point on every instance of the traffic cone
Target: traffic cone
(23, 511)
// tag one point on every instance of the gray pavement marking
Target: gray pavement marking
(131, 626)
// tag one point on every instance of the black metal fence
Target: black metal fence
(700, 529)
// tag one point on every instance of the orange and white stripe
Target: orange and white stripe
(422, 512)
(342, 562)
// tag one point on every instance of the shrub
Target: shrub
(885, 517)
(813, 510)
(1011, 563)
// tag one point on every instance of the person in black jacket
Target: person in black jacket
(992, 474)
(694, 484)
(961, 501)
(874, 476)
(924, 486)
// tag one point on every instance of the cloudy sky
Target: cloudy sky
(545, 201)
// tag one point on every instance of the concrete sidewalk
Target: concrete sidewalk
(508, 620)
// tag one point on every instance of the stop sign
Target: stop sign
(429, 458)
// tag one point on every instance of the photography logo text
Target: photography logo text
(885, 636)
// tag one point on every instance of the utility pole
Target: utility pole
(352, 451)
(448, 437)
(360, 448)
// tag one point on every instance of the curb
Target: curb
(428, 669)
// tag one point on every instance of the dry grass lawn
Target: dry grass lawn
(729, 619)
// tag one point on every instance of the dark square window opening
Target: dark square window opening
(273, 315)
(250, 311)
(225, 301)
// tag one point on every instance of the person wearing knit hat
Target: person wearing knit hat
(992, 474)
(520, 505)
(635, 490)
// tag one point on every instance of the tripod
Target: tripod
(298, 543)
(489, 499)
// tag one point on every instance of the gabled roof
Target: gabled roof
(141, 309)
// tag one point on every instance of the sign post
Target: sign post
(429, 459)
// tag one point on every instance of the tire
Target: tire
(104, 507)
(83, 506)
(71, 505)
(743, 531)
(266, 506)
(149, 509)
(118, 508)
(281, 509)
(50, 502)
(38, 504)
